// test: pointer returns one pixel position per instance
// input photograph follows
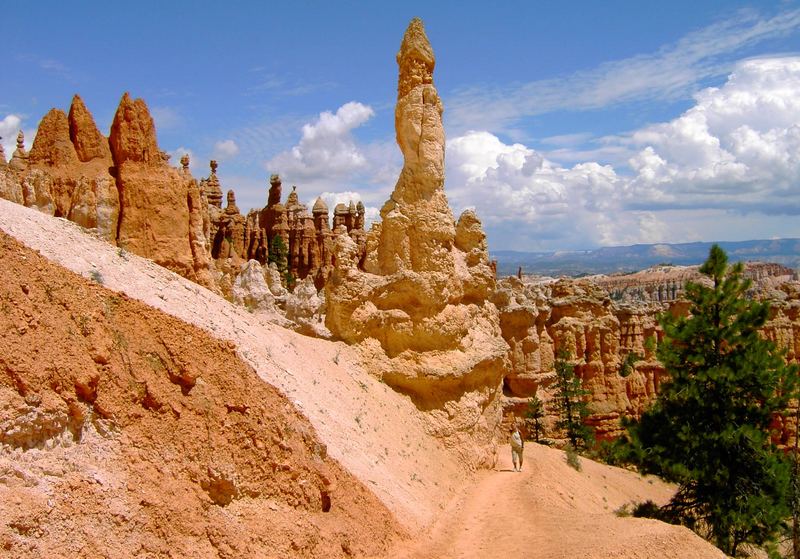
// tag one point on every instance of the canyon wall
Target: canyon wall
(600, 331)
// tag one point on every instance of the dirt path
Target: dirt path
(549, 510)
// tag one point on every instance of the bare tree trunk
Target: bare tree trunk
(795, 488)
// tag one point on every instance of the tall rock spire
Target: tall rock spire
(415, 59)
(19, 159)
(133, 134)
(52, 145)
(89, 142)
(161, 214)
(418, 196)
(420, 307)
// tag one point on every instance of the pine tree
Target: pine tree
(570, 404)
(709, 429)
(534, 415)
(794, 486)
(279, 254)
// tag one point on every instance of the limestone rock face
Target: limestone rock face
(160, 205)
(273, 278)
(421, 312)
(10, 186)
(305, 307)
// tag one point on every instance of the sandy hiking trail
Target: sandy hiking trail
(550, 511)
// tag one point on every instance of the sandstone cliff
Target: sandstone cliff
(419, 307)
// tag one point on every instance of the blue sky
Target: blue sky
(569, 126)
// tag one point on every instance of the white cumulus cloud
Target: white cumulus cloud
(225, 149)
(326, 147)
(737, 148)
(728, 167)
(517, 191)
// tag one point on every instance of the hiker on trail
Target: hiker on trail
(517, 446)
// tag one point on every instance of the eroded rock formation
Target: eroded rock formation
(161, 215)
(419, 307)
(121, 186)
(600, 333)
(306, 236)
(66, 173)
(124, 187)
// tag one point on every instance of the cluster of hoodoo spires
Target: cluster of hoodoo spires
(124, 187)
(308, 236)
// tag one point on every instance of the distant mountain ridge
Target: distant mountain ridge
(623, 259)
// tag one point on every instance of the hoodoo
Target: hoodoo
(418, 305)
(171, 236)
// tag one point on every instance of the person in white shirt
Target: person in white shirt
(517, 446)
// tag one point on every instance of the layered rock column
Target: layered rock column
(420, 312)
(161, 215)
